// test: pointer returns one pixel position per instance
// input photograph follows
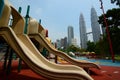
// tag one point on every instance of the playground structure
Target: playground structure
(37, 32)
(26, 50)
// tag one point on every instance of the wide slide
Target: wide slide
(25, 49)
(34, 33)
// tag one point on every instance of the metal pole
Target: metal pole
(107, 31)
(5, 59)
(20, 60)
(1, 7)
(27, 19)
(40, 21)
(10, 61)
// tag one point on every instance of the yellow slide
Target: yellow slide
(35, 30)
(25, 49)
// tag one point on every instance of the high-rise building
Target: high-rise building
(83, 35)
(64, 42)
(95, 25)
(74, 42)
(58, 43)
(70, 34)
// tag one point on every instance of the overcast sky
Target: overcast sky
(57, 15)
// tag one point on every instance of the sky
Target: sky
(57, 15)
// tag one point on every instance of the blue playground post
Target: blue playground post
(20, 9)
(1, 6)
(5, 59)
(44, 52)
(10, 61)
(39, 21)
(20, 60)
(27, 19)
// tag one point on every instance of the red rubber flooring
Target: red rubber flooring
(106, 73)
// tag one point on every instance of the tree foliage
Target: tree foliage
(113, 20)
(72, 48)
(90, 46)
(117, 2)
(100, 48)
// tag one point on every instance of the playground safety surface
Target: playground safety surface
(106, 73)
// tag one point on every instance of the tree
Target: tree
(113, 20)
(90, 46)
(102, 47)
(72, 48)
(116, 1)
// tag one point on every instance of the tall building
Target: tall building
(58, 43)
(74, 42)
(83, 35)
(70, 34)
(64, 42)
(95, 25)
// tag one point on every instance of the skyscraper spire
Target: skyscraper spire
(83, 35)
(95, 25)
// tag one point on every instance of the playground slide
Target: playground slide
(33, 33)
(24, 48)
(51, 49)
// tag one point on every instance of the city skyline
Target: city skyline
(56, 15)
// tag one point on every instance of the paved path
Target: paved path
(106, 73)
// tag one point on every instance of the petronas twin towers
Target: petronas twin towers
(95, 28)
(83, 35)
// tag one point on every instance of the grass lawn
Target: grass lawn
(117, 57)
